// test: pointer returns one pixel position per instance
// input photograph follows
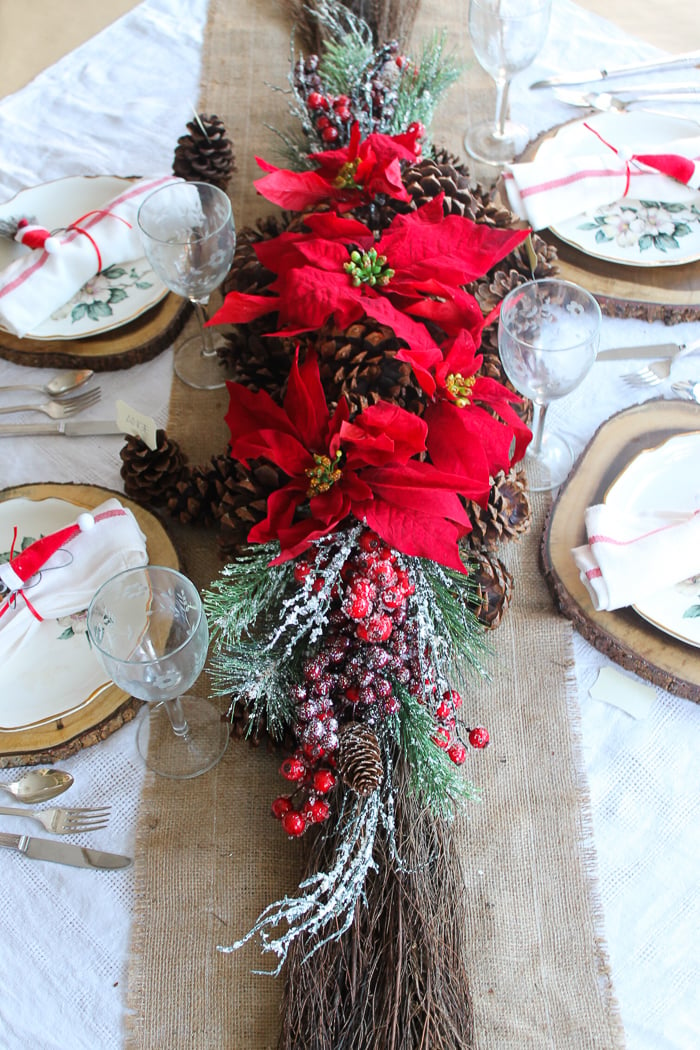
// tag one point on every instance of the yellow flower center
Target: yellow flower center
(323, 475)
(460, 388)
(345, 179)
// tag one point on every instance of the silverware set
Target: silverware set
(39, 786)
(58, 406)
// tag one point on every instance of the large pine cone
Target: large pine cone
(256, 360)
(493, 586)
(205, 154)
(151, 474)
(359, 363)
(514, 270)
(359, 758)
(507, 515)
(196, 499)
(243, 503)
(247, 274)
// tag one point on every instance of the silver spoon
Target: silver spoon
(60, 384)
(38, 785)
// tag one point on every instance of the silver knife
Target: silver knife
(585, 76)
(62, 852)
(629, 353)
(68, 427)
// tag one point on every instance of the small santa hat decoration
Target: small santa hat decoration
(16, 573)
(33, 236)
(677, 167)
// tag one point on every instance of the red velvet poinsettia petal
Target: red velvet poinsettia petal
(240, 308)
(457, 311)
(501, 400)
(415, 334)
(294, 190)
(248, 412)
(305, 403)
(327, 224)
(416, 534)
(454, 448)
(281, 505)
(383, 433)
(282, 449)
(309, 298)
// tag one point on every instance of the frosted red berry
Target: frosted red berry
(280, 806)
(478, 737)
(293, 769)
(458, 754)
(293, 823)
(323, 781)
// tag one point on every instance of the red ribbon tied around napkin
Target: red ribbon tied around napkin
(682, 169)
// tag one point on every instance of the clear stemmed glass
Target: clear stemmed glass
(149, 629)
(506, 36)
(548, 337)
(189, 239)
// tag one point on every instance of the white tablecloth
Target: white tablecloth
(65, 932)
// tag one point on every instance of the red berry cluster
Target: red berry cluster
(305, 805)
(373, 101)
(370, 643)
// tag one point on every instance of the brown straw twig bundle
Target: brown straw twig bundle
(388, 19)
(396, 980)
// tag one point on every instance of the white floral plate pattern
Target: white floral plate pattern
(632, 232)
(114, 297)
(668, 477)
(58, 673)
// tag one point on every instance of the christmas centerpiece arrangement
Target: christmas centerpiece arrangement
(370, 479)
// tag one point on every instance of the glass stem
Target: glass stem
(177, 718)
(207, 339)
(539, 411)
(502, 88)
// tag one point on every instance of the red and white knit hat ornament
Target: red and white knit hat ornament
(33, 236)
(16, 573)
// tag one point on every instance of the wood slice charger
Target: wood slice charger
(112, 708)
(622, 635)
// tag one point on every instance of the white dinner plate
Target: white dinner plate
(58, 672)
(666, 477)
(114, 297)
(628, 231)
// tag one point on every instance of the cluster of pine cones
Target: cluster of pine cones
(358, 363)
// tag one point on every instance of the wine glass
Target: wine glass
(149, 630)
(506, 36)
(548, 337)
(189, 239)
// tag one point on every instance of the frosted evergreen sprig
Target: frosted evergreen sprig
(326, 903)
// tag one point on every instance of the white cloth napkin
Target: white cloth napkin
(70, 578)
(547, 191)
(629, 556)
(36, 284)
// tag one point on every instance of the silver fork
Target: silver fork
(63, 821)
(657, 371)
(59, 409)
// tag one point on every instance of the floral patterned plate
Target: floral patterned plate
(57, 673)
(113, 297)
(632, 232)
(666, 477)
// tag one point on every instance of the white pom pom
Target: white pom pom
(86, 522)
(51, 244)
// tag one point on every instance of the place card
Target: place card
(137, 424)
(619, 690)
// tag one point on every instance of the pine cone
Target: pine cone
(243, 503)
(506, 516)
(247, 274)
(359, 363)
(257, 360)
(513, 271)
(150, 474)
(493, 586)
(196, 498)
(205, 154)
(359, 758)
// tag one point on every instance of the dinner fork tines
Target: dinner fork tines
(63, 821)
(59, 409)
(657, 371)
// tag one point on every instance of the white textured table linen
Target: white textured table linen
(97, 112)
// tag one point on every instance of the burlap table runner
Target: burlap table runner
(209, 858)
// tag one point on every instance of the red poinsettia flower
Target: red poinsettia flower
(416, 269)
(345, 177)
(461, 429)
(337, 467)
